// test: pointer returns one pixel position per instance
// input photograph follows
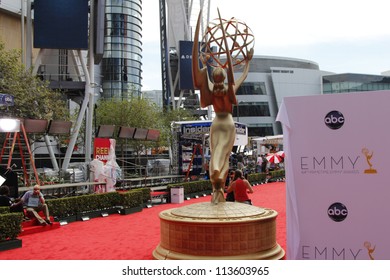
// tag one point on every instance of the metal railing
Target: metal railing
(76, 179)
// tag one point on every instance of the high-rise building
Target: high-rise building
(177, 22)
(122, 59)
(118, 75)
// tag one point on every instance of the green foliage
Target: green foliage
(135, 112)
(140, 113)
(193, 186)
(132, 198)
(145, 194)
(10, 225)
(63, 207)
(71, 206)
(256, 178)
(278, 173)
(33, 98)
(4, 209)
(172, 116)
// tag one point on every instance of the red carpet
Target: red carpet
(128, 237)
(32, 226)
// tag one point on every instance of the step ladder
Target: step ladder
(197, 147)
(19, 139)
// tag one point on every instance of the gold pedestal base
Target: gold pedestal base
(226, 230)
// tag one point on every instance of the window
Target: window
(260, 130)
(253, 109)
(257, 88)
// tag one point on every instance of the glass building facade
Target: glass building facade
(121, 64)
(341, 83)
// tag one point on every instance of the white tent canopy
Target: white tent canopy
(274, 139)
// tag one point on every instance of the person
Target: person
(240, 186)
(207, 170)
(240, 161)
(264, 164)
(5, 200)
(222, 97)
(229, 181)
(34, 202)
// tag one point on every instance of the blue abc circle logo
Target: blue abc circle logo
(334, 120)
(337, 212)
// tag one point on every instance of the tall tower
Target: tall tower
(177, 23)
(121, 64)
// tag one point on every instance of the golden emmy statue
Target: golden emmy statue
(370, 250)
(220, 229)
(368, 156)
(234, 40)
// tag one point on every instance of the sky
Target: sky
(342, 36)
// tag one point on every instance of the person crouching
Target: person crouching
(241, 187)
(34, 202)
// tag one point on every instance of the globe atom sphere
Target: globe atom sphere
(239, 41)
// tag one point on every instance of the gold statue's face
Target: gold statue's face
(219, 75)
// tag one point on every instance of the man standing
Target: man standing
(34, 202)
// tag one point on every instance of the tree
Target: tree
(33, 98)
(167, 117)
(135, 112)
(139, 113)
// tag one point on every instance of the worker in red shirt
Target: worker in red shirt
(241, 187)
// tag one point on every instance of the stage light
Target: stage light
(140, 134)
(35, 126)
(59, 127)
(126, 132)
(105, 131)
(153, 135)
(9, 125)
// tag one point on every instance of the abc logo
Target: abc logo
(337, 212)
(334, 120)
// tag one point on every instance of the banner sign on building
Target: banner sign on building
(337, 175)
(185, 65)
(6, 100)
(165, 67)
(199, 128)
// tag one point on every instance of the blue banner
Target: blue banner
(6, 100)
(185, 65)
